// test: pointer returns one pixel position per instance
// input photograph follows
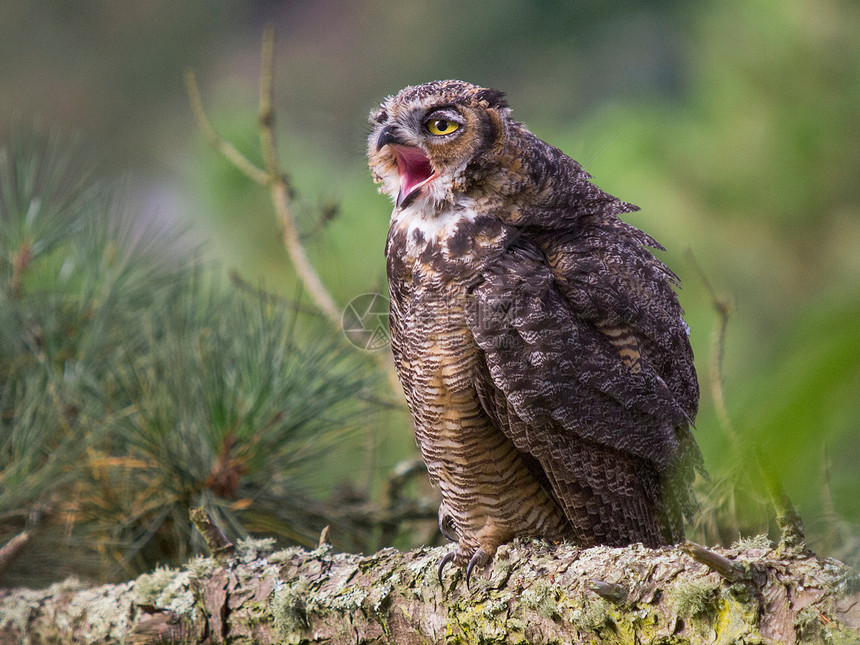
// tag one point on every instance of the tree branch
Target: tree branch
(533, 592)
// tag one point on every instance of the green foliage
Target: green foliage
(35, 448)
(133, 386)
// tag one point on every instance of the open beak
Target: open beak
(413, 166)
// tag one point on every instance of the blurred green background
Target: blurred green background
(735, 126)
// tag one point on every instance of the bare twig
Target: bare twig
(217, 543)
(609, 590)
(12, 549)
(229, 151)
(724, 308)
(324, 541)
(280, 190)
(714, 561)
(267, 113)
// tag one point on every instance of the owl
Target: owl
(540, 344)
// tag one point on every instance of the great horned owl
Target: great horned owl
(540, 344)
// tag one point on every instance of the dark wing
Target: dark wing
(610, 278)
(606, 438)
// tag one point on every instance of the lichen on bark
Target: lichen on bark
(533, 592)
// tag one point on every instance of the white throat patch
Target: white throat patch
(423, 223)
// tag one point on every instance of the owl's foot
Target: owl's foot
(478, 558)
(474, 550)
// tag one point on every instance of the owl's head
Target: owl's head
(424, 137)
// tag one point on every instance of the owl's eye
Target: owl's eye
(441, 126)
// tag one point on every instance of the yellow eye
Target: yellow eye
(441, 126)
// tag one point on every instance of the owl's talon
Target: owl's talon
(479, 559)
(446, 526)
(448, 557)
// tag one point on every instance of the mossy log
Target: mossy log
(531, 593)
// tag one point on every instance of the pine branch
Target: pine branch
(134, 386)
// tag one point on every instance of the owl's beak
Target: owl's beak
(413, 166)
(388, 135)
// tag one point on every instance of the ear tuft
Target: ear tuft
(494, 98)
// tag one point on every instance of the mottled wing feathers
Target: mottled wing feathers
(613, 281)
(607, 497)
(605, 435)
(554, 367)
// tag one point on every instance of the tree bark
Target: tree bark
(531, 593)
